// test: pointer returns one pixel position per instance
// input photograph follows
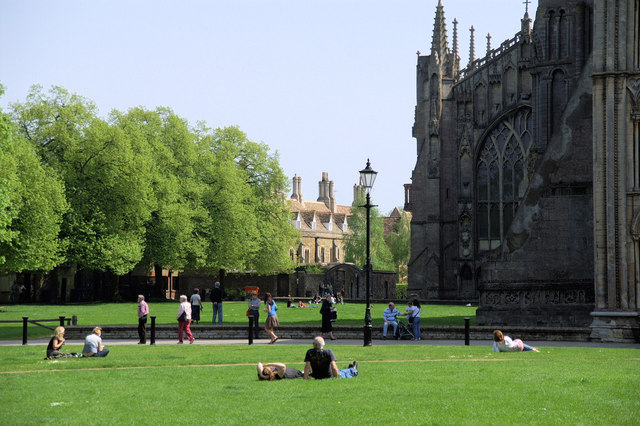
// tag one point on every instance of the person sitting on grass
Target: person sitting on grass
(320, 363)
(502, 343)
(56, 342)
(93, 345)
(277, 371)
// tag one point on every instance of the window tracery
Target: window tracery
(502, 178)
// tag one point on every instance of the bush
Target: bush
(401, 291)
(312, 269)
(236, 294)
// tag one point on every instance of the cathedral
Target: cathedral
(525, 193)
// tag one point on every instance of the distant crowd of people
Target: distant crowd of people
(320, 362)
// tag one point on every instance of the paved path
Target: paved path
(488, 343)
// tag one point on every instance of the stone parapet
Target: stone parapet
(572, 334)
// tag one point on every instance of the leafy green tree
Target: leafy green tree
(399, 242)
(174, 232)
(144, 187)
(355, 246)
(251, 226)
(32, 204)
(107, 178)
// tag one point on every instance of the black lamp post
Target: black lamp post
(367, 178)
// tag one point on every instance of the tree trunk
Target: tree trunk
(116, 289)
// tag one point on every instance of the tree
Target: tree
(145, 187)
(107, 178)
(32, 205)
(245, 197)
(355, 246)
(174, 237)
(399, 242)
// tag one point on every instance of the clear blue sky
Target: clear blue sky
(325, 83)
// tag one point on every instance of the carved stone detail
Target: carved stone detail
(534, 297)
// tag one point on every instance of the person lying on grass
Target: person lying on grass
(320, 363)
(277, 371)
(502, 343)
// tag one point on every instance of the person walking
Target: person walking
(196, 305)
(184, 320)
(326, 311)
(254, 312)
(217, 294)
(272, 317)
(143, 312)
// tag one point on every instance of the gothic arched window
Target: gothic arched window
(502, 178)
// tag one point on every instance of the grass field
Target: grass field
(400, 384)
(234, 313)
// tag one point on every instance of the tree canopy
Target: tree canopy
(32, 205)
(139, 186)
(356, 242)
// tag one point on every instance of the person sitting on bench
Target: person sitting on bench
(390, 318)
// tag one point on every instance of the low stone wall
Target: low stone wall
(575, 334)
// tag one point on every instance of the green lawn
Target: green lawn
(195, 384)
(234, 313)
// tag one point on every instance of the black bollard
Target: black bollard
(250, 329)
(153, 330)
(466, 331)
(61, 320)
(74, 320)
(24, 330)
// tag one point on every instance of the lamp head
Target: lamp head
(368, 176)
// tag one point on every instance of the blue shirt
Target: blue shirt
(272, 312)
(390, 315)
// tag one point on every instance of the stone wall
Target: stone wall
(575, 334)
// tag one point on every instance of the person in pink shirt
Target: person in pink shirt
(184, 320)
(143, 311)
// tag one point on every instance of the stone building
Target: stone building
(322, 223)
(526, 189)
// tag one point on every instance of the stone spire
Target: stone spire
(488, 43)
(439, 42)
(525, 25)
(456, 57)
(472, 47)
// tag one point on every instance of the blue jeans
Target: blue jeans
(527, 347)
(385, 327)
(217, 311)
(347, 373)
(416, 328)
(104, 352)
